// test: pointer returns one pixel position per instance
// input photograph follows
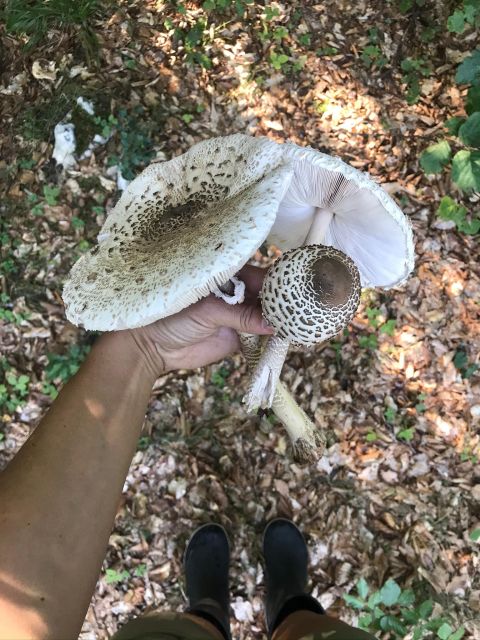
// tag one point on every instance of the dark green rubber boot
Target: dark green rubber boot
(206, 564)
(286, 573)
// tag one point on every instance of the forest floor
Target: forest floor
(397, 492)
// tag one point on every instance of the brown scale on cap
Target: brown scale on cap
(310, 294)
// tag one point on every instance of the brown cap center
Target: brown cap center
(332, 281)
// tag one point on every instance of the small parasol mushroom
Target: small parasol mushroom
(309, 295)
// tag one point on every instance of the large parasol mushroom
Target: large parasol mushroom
(180, 230)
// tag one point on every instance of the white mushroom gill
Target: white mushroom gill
(309, 295)
(359, 217)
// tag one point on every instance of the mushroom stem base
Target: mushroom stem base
(307, 442)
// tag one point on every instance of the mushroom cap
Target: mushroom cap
(310, 294)
(367, 225)
(180, 229)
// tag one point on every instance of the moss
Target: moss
(85, 128)
(89, 183)
(37, 122)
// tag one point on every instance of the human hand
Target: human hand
(203, 333)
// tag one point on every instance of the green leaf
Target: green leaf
(475, 535)
(389, 414)
(466, 170)
(435, 157)
(374, 599)
(388, 327)
(280, 33)
(371, 436)
(140, 571)
(406, 598)
(473, 100)
(390, 623)
(278, 59)
(460, 359)
(418, 633)
(353, 601)
(390, 593)
(365, 621)
(77, 223)
(454, 124)
(411, 615)
(449, 209)
(405, 5)
(372, 315)
(456, 22)
(362, 588)
(112, 576)
(444, 631)
(51, 194)
(470, 228)
(469, 71)
(368, 342)
(458, 635)
(406, 434)
(469, 132)
(425, 609)
(377, 613)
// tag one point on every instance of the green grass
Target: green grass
(33, 19)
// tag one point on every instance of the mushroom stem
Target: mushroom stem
(267, 373)
(262, 388)
(321, 220)
(307, 442)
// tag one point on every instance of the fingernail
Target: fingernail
(266, 325)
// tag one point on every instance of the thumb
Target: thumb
(244, 318)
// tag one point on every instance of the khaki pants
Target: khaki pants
(300, 625)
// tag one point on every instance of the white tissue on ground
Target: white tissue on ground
(86, 105)
(65, 144)
(115, 173)
(122, 183)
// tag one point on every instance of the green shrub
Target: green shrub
(62, 366)
(460, 150)
(13, 390)
(399, 612)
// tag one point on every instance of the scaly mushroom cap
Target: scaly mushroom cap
(367, 225)
(180, 229)
(310, 294)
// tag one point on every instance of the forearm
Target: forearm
(53, 539)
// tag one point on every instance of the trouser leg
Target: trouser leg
(307, 625)
(169, 626)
